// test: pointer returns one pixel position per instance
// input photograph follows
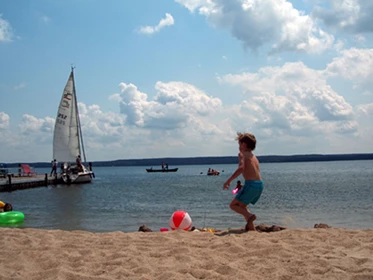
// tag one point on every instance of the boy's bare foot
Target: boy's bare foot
(250, 223)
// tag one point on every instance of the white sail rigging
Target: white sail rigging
(67, 139)
(66, 143)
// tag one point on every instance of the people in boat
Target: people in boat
(212, 172)
(5, 207)
(79, 163)
(162, 165)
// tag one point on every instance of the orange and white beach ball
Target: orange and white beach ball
(180, 220)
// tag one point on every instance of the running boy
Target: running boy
(248, 166)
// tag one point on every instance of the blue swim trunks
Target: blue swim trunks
(250, 191)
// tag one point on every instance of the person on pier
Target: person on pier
(54, 168)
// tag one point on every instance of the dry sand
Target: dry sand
(289, 254)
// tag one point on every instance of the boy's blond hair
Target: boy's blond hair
(247, 138)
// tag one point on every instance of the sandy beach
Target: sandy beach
(330, 253)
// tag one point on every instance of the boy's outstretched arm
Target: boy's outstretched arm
(236, 173)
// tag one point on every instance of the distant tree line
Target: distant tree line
(214, 160)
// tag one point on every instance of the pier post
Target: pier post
(46, 179)
(9, 187)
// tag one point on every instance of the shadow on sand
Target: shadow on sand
(231, 231)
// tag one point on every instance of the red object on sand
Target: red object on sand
(180, 220)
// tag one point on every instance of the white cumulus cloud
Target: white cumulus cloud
(167, 21)
(31, 124)
(174, 106)
(4, 120)
(292, 99)
(257, 23)
(6, 32)
(355, 65)
(352, 16)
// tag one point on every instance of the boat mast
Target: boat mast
(80, 135)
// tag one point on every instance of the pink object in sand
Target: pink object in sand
(163, 229)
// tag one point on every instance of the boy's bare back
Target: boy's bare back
(250, 166)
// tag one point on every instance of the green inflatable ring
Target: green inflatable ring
(11, 217)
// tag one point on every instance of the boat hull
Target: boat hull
(81, 177)
(150, 170)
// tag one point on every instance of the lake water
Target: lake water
(296, 195)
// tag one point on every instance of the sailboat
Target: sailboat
(68, 139)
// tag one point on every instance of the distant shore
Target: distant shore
(174, 161)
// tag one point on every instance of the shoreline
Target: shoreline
(211, 160)
(317, 253)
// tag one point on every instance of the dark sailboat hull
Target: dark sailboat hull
(161, 170)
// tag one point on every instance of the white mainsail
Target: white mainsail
(66, 143)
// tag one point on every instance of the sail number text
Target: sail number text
(61, 119)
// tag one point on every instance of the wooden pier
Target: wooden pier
(13, 183)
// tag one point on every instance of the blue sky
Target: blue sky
(179, 78)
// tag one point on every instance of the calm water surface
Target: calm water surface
(123, 198)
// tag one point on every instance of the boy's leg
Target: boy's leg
(250, 223)
(241, 208)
